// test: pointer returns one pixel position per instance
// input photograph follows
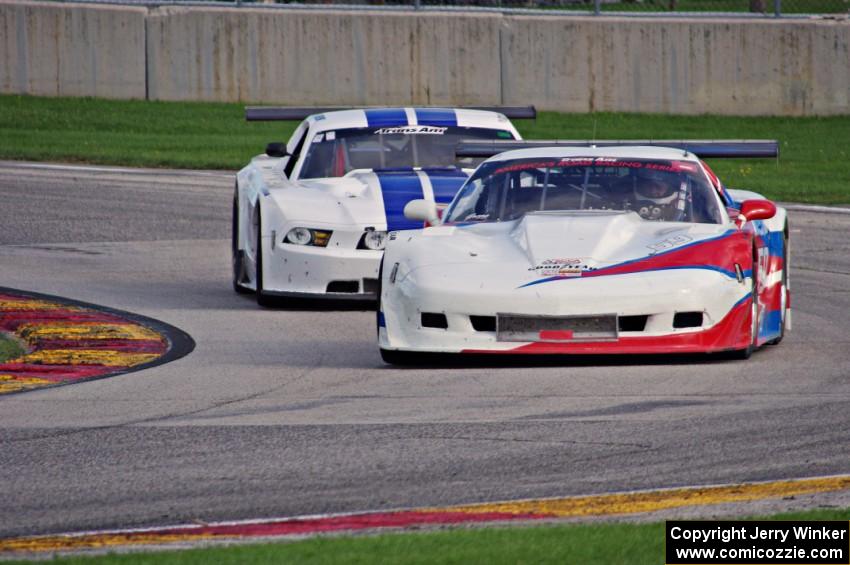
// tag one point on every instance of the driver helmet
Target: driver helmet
(655, 186)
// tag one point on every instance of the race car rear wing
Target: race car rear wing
(704, 149)
(278, 114)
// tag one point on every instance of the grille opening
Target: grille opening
(434, 320)
(350, 287)
(370, 286)
(687, 320)
(483, 323)
(632, 323)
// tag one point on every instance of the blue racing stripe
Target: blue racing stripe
(771, 324)
(775, 242)
(436, 117)
(397, 189)
(730, 274)
(385, 117)
(446, 184)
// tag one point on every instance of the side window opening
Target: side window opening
(296, 153)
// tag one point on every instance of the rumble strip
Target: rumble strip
(520, 511)
(68, 342)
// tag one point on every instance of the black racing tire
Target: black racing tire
(785, 242)
(378, 301)
(396, 357)
(237, 255)
(263, 299)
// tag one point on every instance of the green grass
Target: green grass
(788, 6)
(655, 6)
(588, 544)
(135, 132)
(814, 167)
(9, 348)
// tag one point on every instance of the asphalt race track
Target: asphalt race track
(291, 412)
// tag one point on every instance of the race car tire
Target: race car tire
(396, 357)
(379, 308)
(237, 255)
(263, 299)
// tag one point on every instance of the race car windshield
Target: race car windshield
(335, 153)
(671, 191)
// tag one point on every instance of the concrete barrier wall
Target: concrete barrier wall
(678, 66)
(299, 57)
(72, 50)
(575, 64)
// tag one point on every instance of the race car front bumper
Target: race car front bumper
(676, 311)
(302, 271)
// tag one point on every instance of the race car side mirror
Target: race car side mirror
(276, 149)
(422, 210)
(756, 210)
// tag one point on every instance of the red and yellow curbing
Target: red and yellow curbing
(68, 343)
(519, 511)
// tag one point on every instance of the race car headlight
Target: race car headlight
(374, 240)
(307, 236)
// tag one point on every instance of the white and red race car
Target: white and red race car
(310, 217)
(589, 248)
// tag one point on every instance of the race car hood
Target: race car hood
(597, 240)
(366, 197)
(556, 244)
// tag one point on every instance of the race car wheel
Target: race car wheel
(784, 305)
(378, 307)
(238, 256)
(262, 298)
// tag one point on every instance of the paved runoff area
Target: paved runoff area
(290, 412)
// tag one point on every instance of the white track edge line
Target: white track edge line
(816, 208)
(105, 169)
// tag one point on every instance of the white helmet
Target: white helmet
(654, 186)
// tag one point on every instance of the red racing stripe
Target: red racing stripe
(135, 346)
(10, 320)
(354, 522)
(53, 372)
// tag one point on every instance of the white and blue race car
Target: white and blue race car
(310, 217)
(590, 248)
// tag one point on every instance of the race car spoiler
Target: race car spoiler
(704, 149)
(284, 114)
